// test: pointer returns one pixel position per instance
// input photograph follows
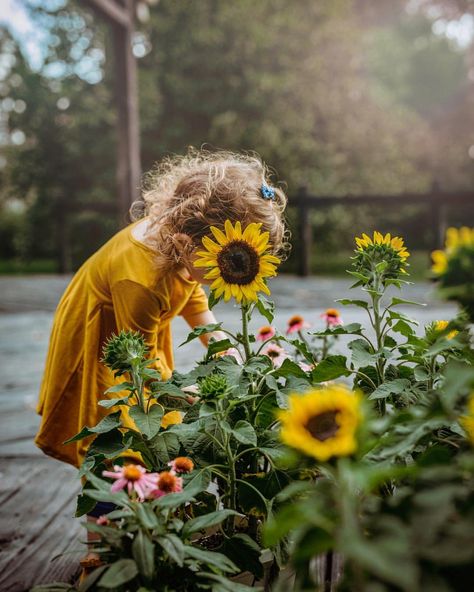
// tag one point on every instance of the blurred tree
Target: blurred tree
(289, 84)
(343, 96)
(62, 158)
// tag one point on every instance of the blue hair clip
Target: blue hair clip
(267, 192)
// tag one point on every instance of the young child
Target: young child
(142, 278)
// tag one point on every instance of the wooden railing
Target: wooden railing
(437, 204)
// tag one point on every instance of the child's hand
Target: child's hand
(194, 389)
(234, 352)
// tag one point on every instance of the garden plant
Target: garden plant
(275, 450)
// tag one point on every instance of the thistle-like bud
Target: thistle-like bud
(214, 386)
(124, 351)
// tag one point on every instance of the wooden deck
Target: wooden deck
(40, 540)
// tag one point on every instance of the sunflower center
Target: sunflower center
(238, 263)
(132, 473)
(323, 426)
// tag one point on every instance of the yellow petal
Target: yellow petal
(248, 293)
(229, 230)
(204, 263)
(440, 262)
(214, 273)
(217, 284)
(271, 259)
(251, 232)
(227, 292)
(219, 235)
(219, 291)
(452, 238)
(210, 245)
(238, 230)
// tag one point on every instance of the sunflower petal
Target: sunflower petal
(214, 273)
(251, 232)
(210, 245)
(219, 235)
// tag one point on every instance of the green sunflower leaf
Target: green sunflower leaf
(266, 308)
(201, 330)
(330, 368)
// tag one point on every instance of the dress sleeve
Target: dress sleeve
(196, 303)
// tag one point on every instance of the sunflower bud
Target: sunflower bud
(214, 386)
(124, 351)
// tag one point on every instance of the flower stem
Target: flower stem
(138, 385)
(245, 331)
(376, 297)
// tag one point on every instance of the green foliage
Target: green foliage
(243, 75)
(147, 545)
(399, 510)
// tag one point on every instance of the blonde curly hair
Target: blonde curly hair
(186, 194)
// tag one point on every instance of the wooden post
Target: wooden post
(128, 145)
(120, 16)
(306, 235)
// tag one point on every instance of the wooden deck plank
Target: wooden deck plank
(41, 541)
(20, 449)
(18, 425)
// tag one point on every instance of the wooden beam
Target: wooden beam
(427, 199)
(113, 12)
(128, 144)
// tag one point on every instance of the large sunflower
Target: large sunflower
(238, 262)
(322, 423)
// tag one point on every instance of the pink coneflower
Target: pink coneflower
(167, 482)
(306, 367)
(332, 317)
(102, 520)
(182, 464)
(265, 333)
(296, 323)
(276, 354)
(134, 478)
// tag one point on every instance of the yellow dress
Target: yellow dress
(117, 288)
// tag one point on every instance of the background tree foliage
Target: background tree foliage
(341, 96)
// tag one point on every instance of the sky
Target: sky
(15, 17)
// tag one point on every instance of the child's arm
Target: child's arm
(204, 318)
